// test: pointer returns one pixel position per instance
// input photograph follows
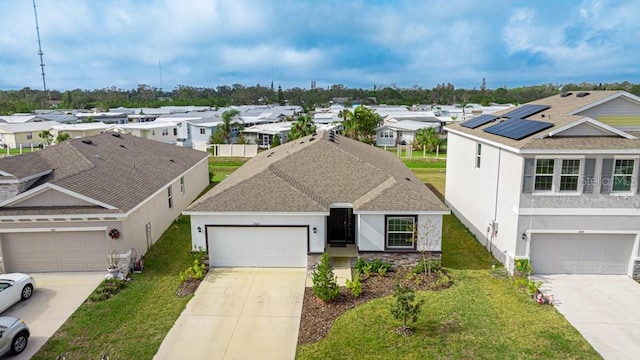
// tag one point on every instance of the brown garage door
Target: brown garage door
(54, 251)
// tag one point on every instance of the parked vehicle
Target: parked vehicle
(14, 288)
(14, 335)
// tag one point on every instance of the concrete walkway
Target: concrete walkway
(604, 308)
(240, 313)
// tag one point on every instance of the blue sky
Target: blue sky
(97, 44)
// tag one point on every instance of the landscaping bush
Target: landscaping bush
(197, 271)
(325, 282)
(107, 289)
(375, 266)
(355, 286)
(405, 308)
(426, 265)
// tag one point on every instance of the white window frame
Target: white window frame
(29, 136)
(182, 184)
(170, 197)
(388, 218)
(557, 176)
(577, 176)
(203, 131)
(478, 155)
(552, 175)
(165, 132)
(634, 175)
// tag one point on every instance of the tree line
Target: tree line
(26, 100)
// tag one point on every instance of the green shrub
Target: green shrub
(325, 282)
(405, 308)
(523, 267)
(427, 265)
(442, 279)
(376, 266)
(196, 271)
(355, 286)
(107, 289)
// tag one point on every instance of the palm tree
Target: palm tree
(225, 127)
(46, 136)
(302, 127)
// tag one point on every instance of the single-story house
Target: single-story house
(263, 135)
(289, 204)
(68, 206)
(24, 134)
(166, 132)
(80, 129)
(402, 132)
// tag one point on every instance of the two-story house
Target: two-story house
(554, 181)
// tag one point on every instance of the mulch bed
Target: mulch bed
(318, 316)
(188, 287)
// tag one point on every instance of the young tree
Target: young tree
(241, 139)
(302, 127)
(325, 282)
(428, 138)
(427, 237)
(225, 126)
(405, 308)
(46, 136)
(276, 141)
(361, 124)
(62, 136)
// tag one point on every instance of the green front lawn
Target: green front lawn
(133, 323)
(479, 317)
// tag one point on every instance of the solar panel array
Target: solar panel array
(479, 121)
(517, 129)
(524, 111)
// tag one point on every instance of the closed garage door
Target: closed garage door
(257, 246)
(55, 251)
(581, 254)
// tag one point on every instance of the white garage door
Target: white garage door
(55, 251)
(257, 246)
(581, 254)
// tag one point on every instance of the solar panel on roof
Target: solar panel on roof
(517, 128)
(523, 111)
(479, 121)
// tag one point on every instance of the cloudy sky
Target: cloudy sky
(91, 44)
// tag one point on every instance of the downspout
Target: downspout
(494, 233)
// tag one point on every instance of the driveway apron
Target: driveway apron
(55, 298)
(240, 313)
(603, 308)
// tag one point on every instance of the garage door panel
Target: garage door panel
(55, 251)
(257, 246)
(581, 254)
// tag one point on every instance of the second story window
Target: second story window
(622, 174)
(478, 155)
(544, 175)
(569, 175)
(170, 197)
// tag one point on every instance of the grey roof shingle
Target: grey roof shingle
(120, 171)
(310, 174)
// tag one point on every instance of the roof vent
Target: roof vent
(115, 134)
(122, 146)
(332, 140)
(314, 134)
(172, 160)
(582, 94)
(565, 94)
(407, 179)
(87, 141)
(301, 142)
(311, 139)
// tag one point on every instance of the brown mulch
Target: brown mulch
(188, 287)
(318, 316)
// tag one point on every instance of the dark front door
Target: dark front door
(341, 227)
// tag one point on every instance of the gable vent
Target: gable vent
(87, 141)
(565, 94)
(582, 94)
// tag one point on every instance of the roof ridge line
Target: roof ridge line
(375, 192)
(297, 185)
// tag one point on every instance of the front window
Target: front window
(569, 175)
(165, 132)
(622, 173)
(202, 131)
(29, 136)
(544, 175)
(401, 232)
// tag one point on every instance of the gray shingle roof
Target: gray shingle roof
(310, 174)
(120, 171)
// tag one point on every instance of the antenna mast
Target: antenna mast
(44, 82)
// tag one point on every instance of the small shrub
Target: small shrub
(107, 289)
(405, 309)
(523, 267)
(376, 266)
(382, 271)
(196, 271)
(427, 265)
(442, 279)
(360, 265)
(355, 286)
(532, 287)
(325, 282)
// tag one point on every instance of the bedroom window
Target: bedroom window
(478, 155)
(544, 175)
(401, 232)
(170, 197)
(622, 173)
(569, 175)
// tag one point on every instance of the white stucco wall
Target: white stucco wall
(316, 241)
(371, 232)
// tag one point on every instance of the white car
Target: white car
(14, 288)
(14, 335)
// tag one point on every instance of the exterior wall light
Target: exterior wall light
(199, 229)
(315, 230)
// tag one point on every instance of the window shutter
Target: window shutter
(589, 174)
(606, 176)
(527, 179)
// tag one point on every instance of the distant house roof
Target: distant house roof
(18, 119)
(409, 125)
(311, 173)
(119, 170)
(271, 129)
(82, 126)
(27, 127)
(148, 125)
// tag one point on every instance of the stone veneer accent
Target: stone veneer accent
(636, 270)
(399, 259)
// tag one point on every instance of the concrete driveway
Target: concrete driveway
(56, 297)
(240, 313)
(604, 308)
